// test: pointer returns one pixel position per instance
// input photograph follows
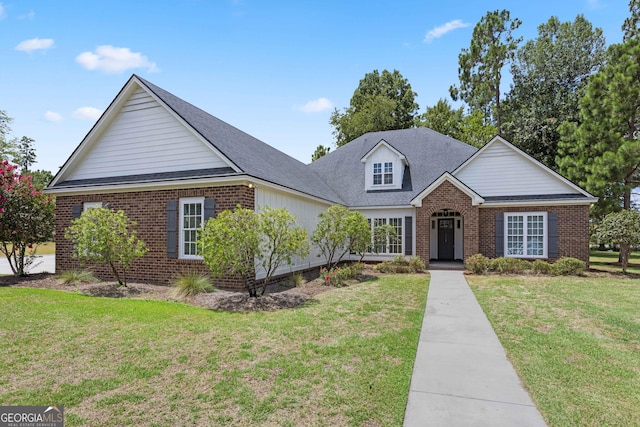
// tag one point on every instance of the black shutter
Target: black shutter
(172, 229)
(552, 238)
(76, 211)
(499, 235)
(209, 209)
(408, 235)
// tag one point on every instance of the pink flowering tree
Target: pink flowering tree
(26, 218)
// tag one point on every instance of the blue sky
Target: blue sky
(274, 69)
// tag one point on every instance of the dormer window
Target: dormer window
(378, 176)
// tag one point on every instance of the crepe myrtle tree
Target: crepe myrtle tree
(26, 218)
(236, 242)
(621, 228)
(106, 236)
(340, 231)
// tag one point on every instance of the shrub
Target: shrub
(296, 279)
(541, 267)
(78, 276)
(569, 267)
(191, 284)
(401, 265)
(478, 264)
(338, 276)
(510, 265)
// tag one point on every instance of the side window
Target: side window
(89, 205)
(526, 235)
(191, 219)
(388, 173)
(377, 174)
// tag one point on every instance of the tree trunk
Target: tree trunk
(624, 254)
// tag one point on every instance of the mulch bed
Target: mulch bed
(276, 296)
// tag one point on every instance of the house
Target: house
(170, 166)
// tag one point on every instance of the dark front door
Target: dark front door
(445, 239)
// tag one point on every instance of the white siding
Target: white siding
(305, 210)
(381, 155)
(144, 138)
(501, 171)
(390, 213)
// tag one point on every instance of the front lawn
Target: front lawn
(574, 341)
(608, 261)
(344, 358)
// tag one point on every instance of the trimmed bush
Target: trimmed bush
(191, 284)
(296, 279)
(478, 264)
(506, 265)
(541, 267)
(569, 267)
(401, 265)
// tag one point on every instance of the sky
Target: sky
(274, 69)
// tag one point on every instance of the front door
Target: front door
(445, 239)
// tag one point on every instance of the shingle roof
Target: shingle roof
(429, 153)
(252, 156)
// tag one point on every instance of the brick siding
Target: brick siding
(573, 229)
(480, 224)
(148, 209)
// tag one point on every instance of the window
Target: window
(388, 173)
(395, 242)
(191, 219)
(379, 177)
(377, 173)
(525, 235)
(384, 242)
(88, 205)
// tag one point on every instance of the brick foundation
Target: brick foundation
(148, 209)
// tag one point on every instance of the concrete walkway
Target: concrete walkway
(42, 264)
(461, 376)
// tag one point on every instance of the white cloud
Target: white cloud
(595, 4)
(28, 15)
(316, 106)
(2, 12)
(440, 31)
(52, 116)
(112, 59)
(34, 44)
(87, 113)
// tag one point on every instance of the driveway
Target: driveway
(41, 264)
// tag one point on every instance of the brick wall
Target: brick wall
(447, 196)
(573, 229)
(148, 209)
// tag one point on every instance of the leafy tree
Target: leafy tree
(105, 236)
(631, 26)
(339, 231)
(480, 66)
(26, 217)
(280, 240)
(25, 154)
(621, 228)
(602, 152)
(321, 151)
(468, 128)
(7, 147)
(233, 241)
(549, 76)
(41, 178)
(382, 101)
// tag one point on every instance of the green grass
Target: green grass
(47, 248)
(344, 359)
(574, 341)
(608, 261)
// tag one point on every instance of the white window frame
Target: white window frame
(387, 172)
(525, 237)
(377, 221)
(379, 174)
(182, 229)
(90, 205)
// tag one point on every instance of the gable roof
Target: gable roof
(429, 153)
(244, 153)
(476, 199)
(499, 168)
